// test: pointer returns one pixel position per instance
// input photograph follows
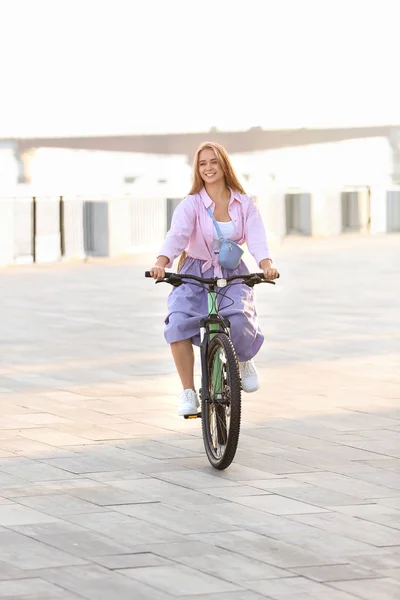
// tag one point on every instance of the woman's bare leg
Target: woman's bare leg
(184, 360)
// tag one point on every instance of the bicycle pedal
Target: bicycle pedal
(195, 416)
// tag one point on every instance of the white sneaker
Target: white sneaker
(249, 376)
(189, 403)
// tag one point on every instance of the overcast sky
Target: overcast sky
(72, 67)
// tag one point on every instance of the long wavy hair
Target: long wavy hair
(231, 179)
(221, 154)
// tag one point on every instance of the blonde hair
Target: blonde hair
(231, 179)
(221, 154)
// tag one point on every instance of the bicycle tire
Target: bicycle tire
(232, 388)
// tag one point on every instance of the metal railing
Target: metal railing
(52, 228)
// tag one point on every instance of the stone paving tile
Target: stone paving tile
(129, 561)
(83, 543)
(25, 553)
(346, 485)
(109, 477)
(385, 463)
(8, 571)
(243, 595)
(173, 518)
(232, 567)
(15, 514)
(342, 572)
(333, 546)
(365, 531)
(377, 513)
(378, 561)
(281, 588)
(124, 529)
(95, 462)
(179, 580)
(275, 526)
(34, 589)
(104, 490)
(370, 473)
(327, 594)
(193, 479)
(371, 589)
(391, 573)
(175, 550)
(232, 515)
(96, 583)
(52, 436)
(31, 470)
(228, 493)
(47, 488)
(268, 550)
(58, 505)
(158, 449)
(105, 496)
(391, 502)
(20, 446)
(10, 480)
(279, 505)
(313, 494)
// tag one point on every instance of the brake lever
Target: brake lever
(252, 282)
(175, 281)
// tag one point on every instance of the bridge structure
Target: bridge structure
(251, 140)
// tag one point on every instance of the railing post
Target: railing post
(34, 228)
(62, 226)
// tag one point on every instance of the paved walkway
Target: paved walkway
(105, 493)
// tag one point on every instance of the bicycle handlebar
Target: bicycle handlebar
(245, 277)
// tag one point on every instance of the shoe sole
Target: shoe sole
(251, 390)
(185, 413)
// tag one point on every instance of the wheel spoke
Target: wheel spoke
(219, 407)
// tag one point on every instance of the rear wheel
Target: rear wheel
(221, 413)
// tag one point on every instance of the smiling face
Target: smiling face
(209, 168)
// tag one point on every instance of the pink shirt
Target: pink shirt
(192, 229)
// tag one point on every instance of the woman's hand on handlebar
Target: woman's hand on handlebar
(270, 272)
(157, 272)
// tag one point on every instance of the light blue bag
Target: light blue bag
(230, 253)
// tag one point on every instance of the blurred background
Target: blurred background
(102, 106)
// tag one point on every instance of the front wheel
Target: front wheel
(221, 413)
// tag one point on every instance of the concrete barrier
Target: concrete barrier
(107, 226)
(393, 210)
(298, 212)
(326, 214)
(149, 223)
(271, 204)
(378, 209)
(6, 231)
(47, 229)
(72, 228)
(24, 247)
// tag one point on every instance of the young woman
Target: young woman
(193, 233)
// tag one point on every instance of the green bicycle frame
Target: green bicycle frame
(213, 310)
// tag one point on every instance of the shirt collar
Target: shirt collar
(207, 200)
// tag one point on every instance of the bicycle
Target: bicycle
(220, 391)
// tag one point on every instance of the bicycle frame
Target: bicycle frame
(209, 326)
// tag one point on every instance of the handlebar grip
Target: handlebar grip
(262, 275)
(147, 274)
